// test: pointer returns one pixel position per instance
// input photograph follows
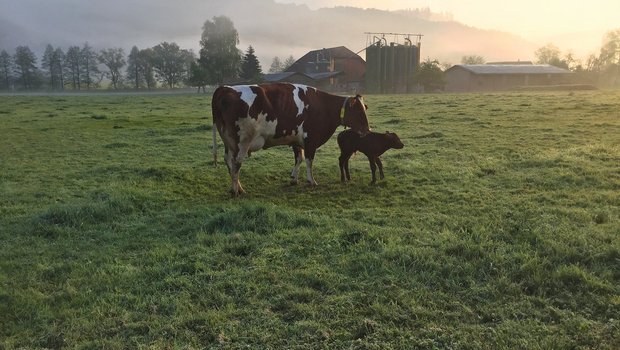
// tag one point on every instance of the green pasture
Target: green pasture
(496, 227)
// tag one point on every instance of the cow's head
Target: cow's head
(355, 115)
(394, 140)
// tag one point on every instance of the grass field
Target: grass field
(497, 227)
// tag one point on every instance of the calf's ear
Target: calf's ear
(365, 105)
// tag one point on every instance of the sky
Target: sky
(573, 26)
(561, 22)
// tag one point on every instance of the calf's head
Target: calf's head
(393, 140)
(355, 115)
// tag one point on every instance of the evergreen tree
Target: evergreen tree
(288, 62)
(219, 55)
(250, 67)
(6, 67)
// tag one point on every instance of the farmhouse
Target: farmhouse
(336, 68)
(502, 76)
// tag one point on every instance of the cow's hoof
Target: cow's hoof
(294, 182)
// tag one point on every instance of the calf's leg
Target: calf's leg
(373, 169)
(380, 165)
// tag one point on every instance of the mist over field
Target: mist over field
(273, 29)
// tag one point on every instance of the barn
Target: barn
(335, 69)
(499, 76)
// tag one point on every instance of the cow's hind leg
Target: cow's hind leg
(234, 168)
(299, 158)
(309, 158)
(341, 162)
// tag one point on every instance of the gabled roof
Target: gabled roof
(322, 54)
(511, 69)
(284, 76)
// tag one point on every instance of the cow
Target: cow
(372, 145)
(253, 117)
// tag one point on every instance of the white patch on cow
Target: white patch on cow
(254, 134)
(247, 95)
(297, 88)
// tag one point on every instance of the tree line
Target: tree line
(164, 65)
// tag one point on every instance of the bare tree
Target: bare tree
(6, 66)
(472, 59)
(26, 66)
(73, 64)
(114, 60)
(90, 68)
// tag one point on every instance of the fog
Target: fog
(273, 29)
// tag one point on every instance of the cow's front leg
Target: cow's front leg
(299, 158)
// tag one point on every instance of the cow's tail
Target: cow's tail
(214, 144)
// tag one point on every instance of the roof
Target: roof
(511, 69)
(322, 54)
(284, 76)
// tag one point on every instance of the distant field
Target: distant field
(497, 227)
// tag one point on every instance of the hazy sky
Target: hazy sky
(542, 21)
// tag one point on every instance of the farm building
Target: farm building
(391, 68)
(490, 77)
(336, 68)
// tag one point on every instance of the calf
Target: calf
(372, 145)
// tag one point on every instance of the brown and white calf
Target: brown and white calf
(373, 145)
(253, 117)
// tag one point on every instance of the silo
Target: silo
(390, 68)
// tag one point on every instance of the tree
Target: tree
(6, 67)
(609, 58)
(114, 60)
(135, 70)
(49, 66)
(288, 62)
(250, 67)
(198, 76)
(73, 64)
(26, 67)
(550, 54)
(89, 66)
(146, 59)
(472, 59)
(171, 64)
(59, 62)
(276, 65)
(430, 76)
(219, 55)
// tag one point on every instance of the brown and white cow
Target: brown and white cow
(253, 117)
